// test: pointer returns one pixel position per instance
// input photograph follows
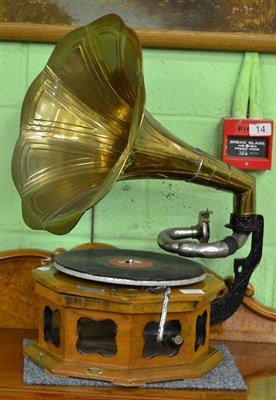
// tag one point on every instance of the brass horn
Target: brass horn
(84, 126)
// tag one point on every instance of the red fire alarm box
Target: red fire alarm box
(247, 143)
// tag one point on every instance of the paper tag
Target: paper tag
(44, 268)
(191, 291)
(262, 129)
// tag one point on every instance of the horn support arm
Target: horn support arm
(224, 307)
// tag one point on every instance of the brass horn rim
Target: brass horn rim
(55, 220)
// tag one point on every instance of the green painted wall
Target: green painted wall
(189, 92)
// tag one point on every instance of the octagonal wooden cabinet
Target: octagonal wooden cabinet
(109, 332)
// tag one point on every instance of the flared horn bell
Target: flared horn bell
(84, 126)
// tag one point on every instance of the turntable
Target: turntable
(125, 316)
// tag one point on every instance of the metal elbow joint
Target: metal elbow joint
(174, 240)
(170, 241)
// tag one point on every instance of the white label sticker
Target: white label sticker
(44, 268)
(191, 291)
(261, 129)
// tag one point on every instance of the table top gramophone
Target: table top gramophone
(121, 315)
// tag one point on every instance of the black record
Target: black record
(130, 267)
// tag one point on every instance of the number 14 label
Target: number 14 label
(261, 129)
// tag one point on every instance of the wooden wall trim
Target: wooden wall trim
(150, 37)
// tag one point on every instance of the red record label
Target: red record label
(129, 262)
